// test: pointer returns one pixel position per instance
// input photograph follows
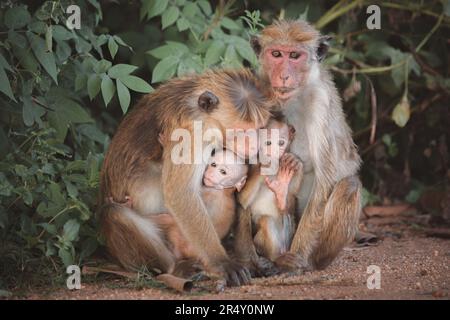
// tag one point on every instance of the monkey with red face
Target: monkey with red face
(290, 53)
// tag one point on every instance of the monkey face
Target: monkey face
(274, 146)
(225, 171)
(285, 66)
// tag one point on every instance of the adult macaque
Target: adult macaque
(138, 170)
(268, 202)
(225, 175)
(290, 53)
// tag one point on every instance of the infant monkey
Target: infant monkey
(270, 200)
(224, 175)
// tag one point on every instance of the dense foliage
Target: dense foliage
(64, 91)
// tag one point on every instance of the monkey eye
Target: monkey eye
(281, 143)
(268, 143)
(223, 172)
(276, 53)
(294, 55)
(213, 164)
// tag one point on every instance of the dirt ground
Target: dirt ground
(412, 266)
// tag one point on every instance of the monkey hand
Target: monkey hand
(235, 274)
(292, 262)
(289, 165)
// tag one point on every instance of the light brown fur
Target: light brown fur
(139, 168)
(329, 198)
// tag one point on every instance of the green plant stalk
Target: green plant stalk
(371, 70)
(433, 30)
(416, 9)
(335, 13)
(56, 216)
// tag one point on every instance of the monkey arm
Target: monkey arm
(248, 194)
(182, 194)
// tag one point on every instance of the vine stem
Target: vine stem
(336, 11)
(56, 216)
(427, 37)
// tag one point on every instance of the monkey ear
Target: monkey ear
(322, 49)
(291, 132)
(208, 101)
(241, 184)
(256, 45)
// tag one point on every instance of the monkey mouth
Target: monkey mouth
(284, 92)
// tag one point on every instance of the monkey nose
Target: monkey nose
(284, 78)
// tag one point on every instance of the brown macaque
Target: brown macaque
(290, 53)
(267, 203)
(138, 170)
(224, 175)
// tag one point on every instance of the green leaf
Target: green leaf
(214, 52)
(5, 87)
(80, 81)
(124, 96)
(62, 34)
(17, 39)
(108, 89)
(4, 63)
(38, 27)
(190, 10)
(63, 51)
(157, 7)
(112, 46)
(205, 6)
(66, 111)
(231, 58)
(17, 17)
(172, 48)
(102, 66)
(66, 256)
(31, 112)
(165, 69)
(93, 85)
(71, 229)
(183, 24)
(401, 112)
(229, 24)
(169, 17)
(245, 50)
(46, 59)
(121, 70)
(136, 84)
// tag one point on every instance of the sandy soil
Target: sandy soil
(412, 266)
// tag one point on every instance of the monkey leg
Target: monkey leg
(268, 240)
(134, 240)
(340, 221)
(244, 247)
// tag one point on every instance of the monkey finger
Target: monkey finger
(245, 276)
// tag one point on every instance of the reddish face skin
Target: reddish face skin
(286, 67)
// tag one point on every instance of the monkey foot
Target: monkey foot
(265, 268)
(292, 263)
(187, 268)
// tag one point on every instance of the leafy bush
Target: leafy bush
(56, 83)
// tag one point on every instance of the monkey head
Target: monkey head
(275, 144)
(288, 51)
(235, 100)
(224, 171)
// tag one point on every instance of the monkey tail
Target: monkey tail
(134, 240)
